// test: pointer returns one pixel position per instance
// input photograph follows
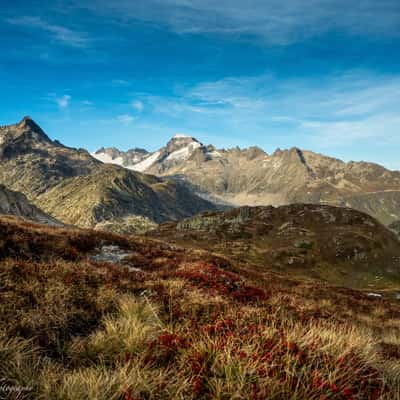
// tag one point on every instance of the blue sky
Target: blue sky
(317, 74)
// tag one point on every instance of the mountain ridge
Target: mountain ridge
(76, 188)
(251, 176)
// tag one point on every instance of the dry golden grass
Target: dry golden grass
(189, 326)
(133, 356)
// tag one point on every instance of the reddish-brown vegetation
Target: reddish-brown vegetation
(188, 325)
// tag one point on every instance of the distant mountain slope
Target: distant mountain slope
(73, 186)
(126, 159)
(112, 193)
(339, 245)
(14, 203)
(252, 177)
(177, 150)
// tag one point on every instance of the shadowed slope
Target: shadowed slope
(14, 203)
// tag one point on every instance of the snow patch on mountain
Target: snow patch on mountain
(184, 153)
(146, 163)
(181, 136)
(107, 159)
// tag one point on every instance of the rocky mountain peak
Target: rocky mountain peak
(28, 124)
(111, 151)
(299, 154)
(25, 130)
(299, 157)
(100, 150)
(254, 152)
(23, 137)
(179, 149)
(181, 141)
(278, 152)
(27, 121)
(138, 150)
(112, 155)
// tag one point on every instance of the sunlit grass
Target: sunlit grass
(187, 327)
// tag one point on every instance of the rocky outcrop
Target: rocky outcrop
(131, 225)
(340, 245)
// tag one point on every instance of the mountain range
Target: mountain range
(75, 188)
(252, 177)
(134, 190)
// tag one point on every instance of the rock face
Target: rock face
(340, 245)
(14, 203)
(252, 177)
(76, 188)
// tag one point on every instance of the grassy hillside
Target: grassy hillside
(339, 245)
(92, 315)
(111, 193)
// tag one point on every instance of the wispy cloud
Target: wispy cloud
(63, 101)
(125, 119)
(138, 105)
(276, 21)
(335, 112)
(58, 33)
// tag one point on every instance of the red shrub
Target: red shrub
(222, 282)
(224, 326)
(198, 386)
(246, 294)
(171, 341)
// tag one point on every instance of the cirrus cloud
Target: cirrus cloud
(57, 32)
(125, 119)
(277, 22)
